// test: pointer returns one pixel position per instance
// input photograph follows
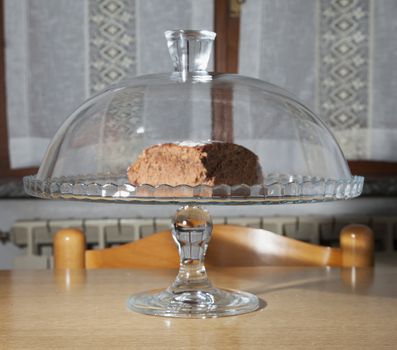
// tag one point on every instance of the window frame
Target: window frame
(5, 166)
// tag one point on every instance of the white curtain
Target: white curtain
(60, 52)
(337, 56)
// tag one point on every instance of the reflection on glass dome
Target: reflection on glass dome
(91, 153)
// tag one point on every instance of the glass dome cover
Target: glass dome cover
(89, 156)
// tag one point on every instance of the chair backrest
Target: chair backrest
(230, 246)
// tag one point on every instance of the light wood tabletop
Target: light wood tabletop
(304, 308)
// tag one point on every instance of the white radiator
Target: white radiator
(36, 235)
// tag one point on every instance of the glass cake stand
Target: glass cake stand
(89, 156)
(192, 295)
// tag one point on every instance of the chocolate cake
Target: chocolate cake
(211, 164)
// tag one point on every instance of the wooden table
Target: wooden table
(306, 308)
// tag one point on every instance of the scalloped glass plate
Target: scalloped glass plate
(276, 188)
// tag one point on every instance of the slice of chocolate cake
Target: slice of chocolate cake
(211, 164)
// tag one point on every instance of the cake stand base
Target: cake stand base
(193, 304)
(192, 294)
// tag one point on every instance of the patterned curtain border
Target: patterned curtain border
(112, 42)
(344, 72)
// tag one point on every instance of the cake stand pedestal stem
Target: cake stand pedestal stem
(191, 230)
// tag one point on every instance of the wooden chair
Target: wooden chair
(230, 246)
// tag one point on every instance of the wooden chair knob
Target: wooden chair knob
(69, 249)
(357, 245)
